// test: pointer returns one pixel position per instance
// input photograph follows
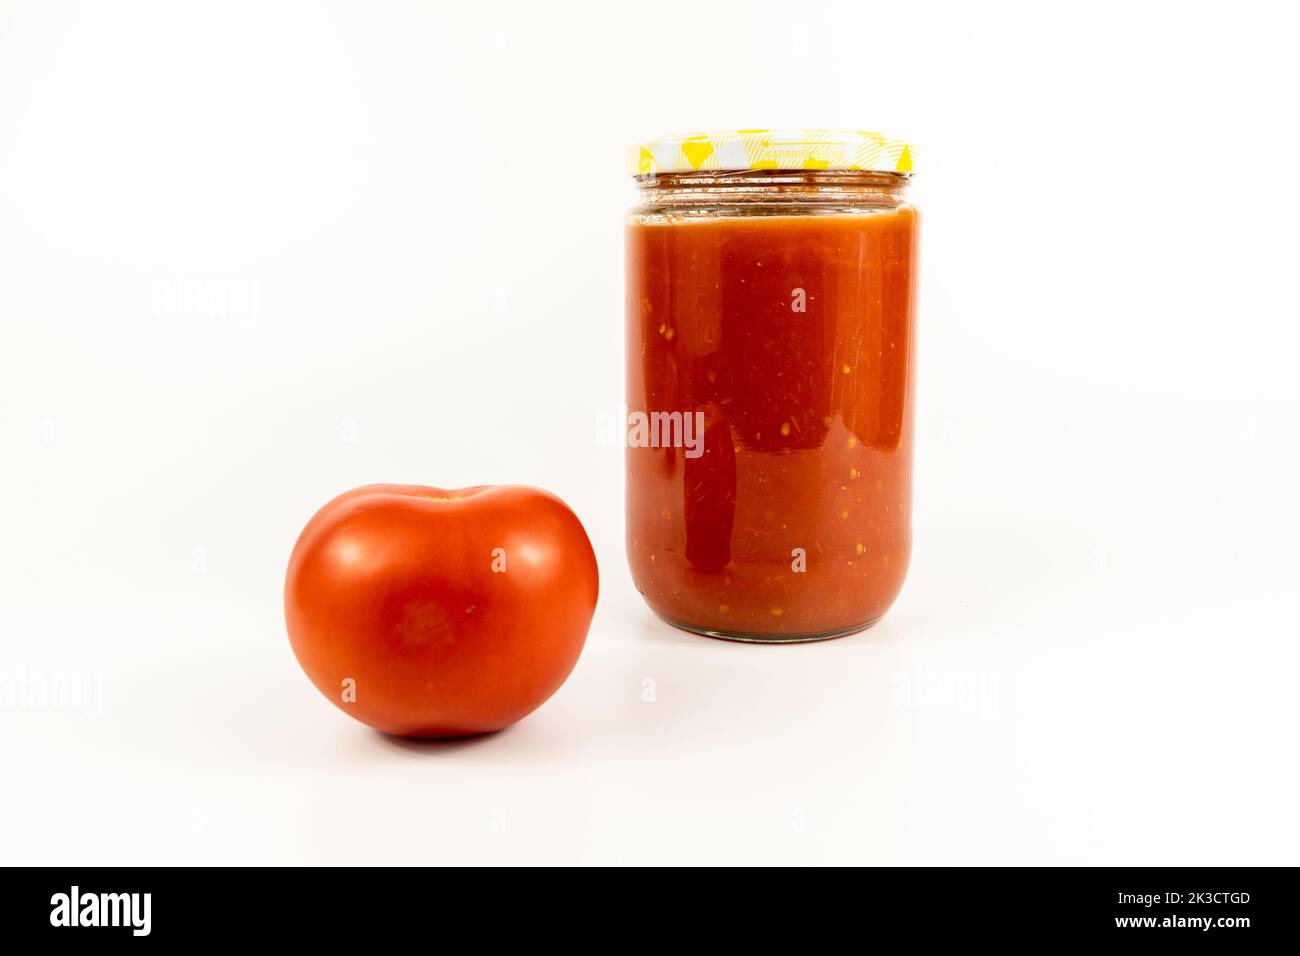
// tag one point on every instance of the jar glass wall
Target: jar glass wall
(770, 371)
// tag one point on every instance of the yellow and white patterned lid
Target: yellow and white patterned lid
(772, 149)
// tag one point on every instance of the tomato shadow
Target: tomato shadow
(436, 745)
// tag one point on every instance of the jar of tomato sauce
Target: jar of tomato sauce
(770, 380)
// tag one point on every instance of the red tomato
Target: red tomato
(431, 613)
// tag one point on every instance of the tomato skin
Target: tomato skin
(453, 612)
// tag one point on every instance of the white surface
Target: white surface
(239, 274)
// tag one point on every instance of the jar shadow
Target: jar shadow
(653, 626)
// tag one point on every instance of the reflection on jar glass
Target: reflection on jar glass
(770, 367)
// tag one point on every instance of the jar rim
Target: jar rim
(772, 149)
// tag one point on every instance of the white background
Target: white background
(254, 254)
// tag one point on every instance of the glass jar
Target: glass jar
(770, 381)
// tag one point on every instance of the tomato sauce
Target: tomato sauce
(792, 336)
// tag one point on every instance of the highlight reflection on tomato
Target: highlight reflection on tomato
(432, 613)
